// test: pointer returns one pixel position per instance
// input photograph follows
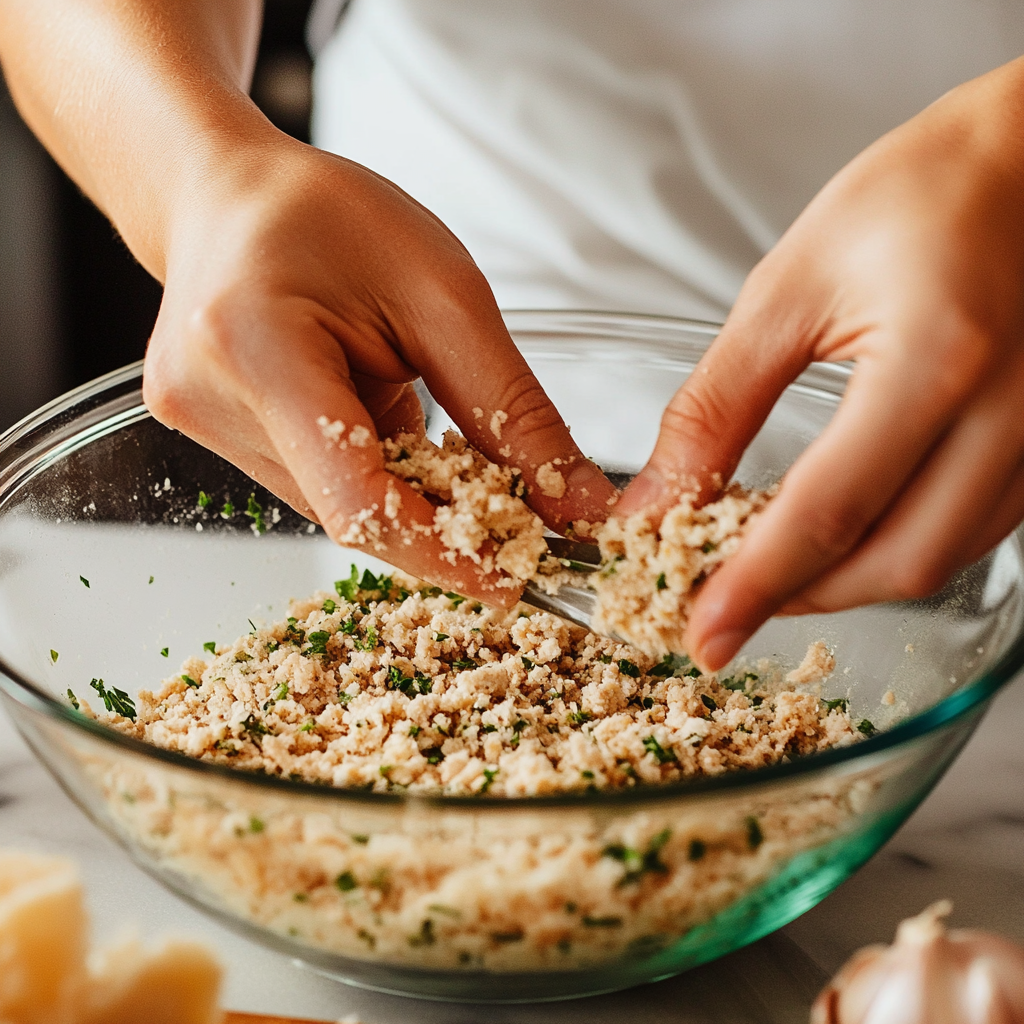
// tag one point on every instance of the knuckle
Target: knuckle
(918, 579)
(695, 415)
(530, 411)
(832, 530)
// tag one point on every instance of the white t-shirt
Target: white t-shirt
(637, 155)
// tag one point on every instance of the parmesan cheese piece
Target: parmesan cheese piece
(44, 976)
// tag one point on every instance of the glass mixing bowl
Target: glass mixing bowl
(108, 568)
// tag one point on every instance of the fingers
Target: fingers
(717, 412)
(962, 502)
(476, 373)
(830, 498)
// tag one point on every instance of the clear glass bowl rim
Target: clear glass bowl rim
(622, 326)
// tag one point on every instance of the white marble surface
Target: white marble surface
(966, 842)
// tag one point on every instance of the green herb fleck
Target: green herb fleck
(414, 730)
(254, 510)
(839, 702)
(637, 864)
(254, 727)
(661, 755)
(456, 599)
(347, 588)
(461, 663)
(281, 693)
(256, 825)
(708, 546)
(579, 717)
(362, 840)
(189, 681)
(53, 656)
(440, 637)
(318, 642)
(527, 662)
(670, 665)
(85, 581)
(425, 936)
(662, 583)
(211, 646)
(628, 668)
(204, 500)
(307, 726)
(433, 755)
(755, 837)
(866, 727)
(490, 774)
(346, 881)
(164, 652)
(115, 700)
(708, 702)
(228, 510)
(151, 578)
(587, 774)
(74, 700)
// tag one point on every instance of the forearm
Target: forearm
(134, 98)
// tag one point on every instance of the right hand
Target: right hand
(301, 285)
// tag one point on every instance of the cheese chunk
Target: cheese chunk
(45, 973)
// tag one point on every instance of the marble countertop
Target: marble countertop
(966, 842)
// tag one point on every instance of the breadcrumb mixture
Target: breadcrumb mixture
(648, 580)
(481, 513)
(383, 687)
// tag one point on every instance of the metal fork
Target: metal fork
(573, 603)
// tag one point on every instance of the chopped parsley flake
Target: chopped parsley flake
(755, 837)
(281, 693)
(461, 663)
(440, 637)
(165, 652)
(53, 656)
(204, 500)
(328, 606)
(346, 881)
(151, 578)
(662, 583)
(708, 546)
(579, 717)
(74, 700)
(228, 510)
(318, 642)
(456, 599)
(527, 662)
(256, 825)
(115, 700)
(348, 588)
(637, 864)
(866, 727)
(189, 681)
(839, 702)
(490, 774)
(708, 702)
(661, 755)
(628, 668)
(307, 726)
(670, 665)
(254, 510)
(85, 581)
(738, 682)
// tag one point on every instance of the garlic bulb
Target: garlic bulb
(928, 976)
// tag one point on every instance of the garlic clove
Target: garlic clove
(928, 976)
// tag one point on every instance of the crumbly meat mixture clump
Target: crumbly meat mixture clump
(481, 513)
(384, 687)
(646, 586)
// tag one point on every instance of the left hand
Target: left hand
(911, 263)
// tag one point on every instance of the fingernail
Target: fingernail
(646, 488)
(720, 649)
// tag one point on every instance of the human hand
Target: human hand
(304, 290)
(911, 263)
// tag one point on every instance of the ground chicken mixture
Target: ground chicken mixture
(648, 579)
(388, 684)
(385, 686)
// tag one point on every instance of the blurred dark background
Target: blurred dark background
(74, 304)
